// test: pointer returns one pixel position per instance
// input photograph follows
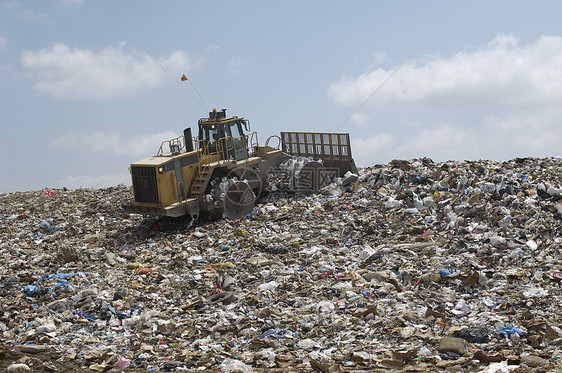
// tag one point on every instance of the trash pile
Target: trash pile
(411, 265)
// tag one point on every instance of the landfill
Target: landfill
(409, 266)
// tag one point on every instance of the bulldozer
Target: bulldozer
(223, 170)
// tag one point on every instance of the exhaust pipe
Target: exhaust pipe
(188, 140)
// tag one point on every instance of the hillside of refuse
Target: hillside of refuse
(408, 266)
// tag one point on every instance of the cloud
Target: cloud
(538, 135)
(493, 138)
(71, 2)
(73, 73)
(4, 71)
(380, 58)
(99, 181)
(498, 76)
(112, 143)
(440, 142)
(237, 62)
(212, 49)
(25, 15)
(359, 119)
(500, 101)
(371, 150)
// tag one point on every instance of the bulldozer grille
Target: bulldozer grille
(144, 184)
(322, 145)
(334, 149)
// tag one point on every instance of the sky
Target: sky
(89, 87)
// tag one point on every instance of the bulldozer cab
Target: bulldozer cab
(223, 136)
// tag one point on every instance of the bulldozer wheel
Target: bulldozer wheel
(251, 176)
(238, 200)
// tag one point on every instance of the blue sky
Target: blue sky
(81, 96)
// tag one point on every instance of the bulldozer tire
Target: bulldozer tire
(238, 200)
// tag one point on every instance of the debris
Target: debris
(31, 349)
(18, 368)
(533, 361)
(452, 344)
(414, 265)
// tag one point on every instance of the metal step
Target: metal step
(199, 182)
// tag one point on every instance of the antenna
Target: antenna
(171, 77)
(375, 91)
(196, 91)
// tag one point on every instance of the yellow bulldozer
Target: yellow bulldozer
(224, 170)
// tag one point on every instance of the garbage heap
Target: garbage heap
(408, 266)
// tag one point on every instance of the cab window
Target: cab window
(234, 129)
(210, 135)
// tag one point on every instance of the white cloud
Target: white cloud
(541, 134)
(3, 42)
(493, 138)
(440, 142)
(112, 143)
(4, 71)
(497, 102)
(371, 150)
(99, 181)
(73, 73)
(15, 7)
(497, 76)
(380, 58)
(359, 119)
(237, 62)
(212, 49)
(71, 2)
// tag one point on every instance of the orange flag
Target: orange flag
(183, 78)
